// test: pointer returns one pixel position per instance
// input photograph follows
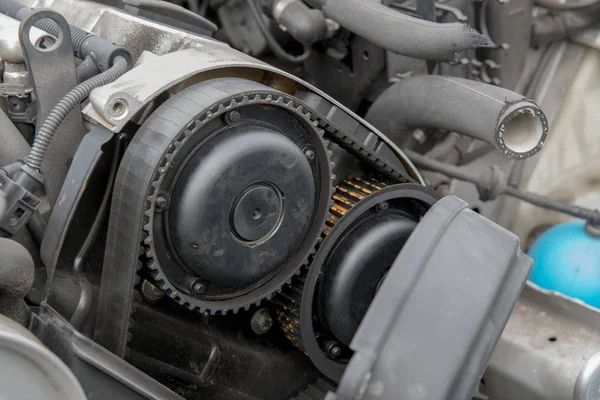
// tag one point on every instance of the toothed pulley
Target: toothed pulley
(369, 224)
(240, 192)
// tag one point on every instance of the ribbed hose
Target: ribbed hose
(78, 36)
(10, 7)
(71, 100)
(85, 43)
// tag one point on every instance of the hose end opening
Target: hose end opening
(521, 131)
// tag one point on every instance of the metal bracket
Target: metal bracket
(50, 85)
(13, 89)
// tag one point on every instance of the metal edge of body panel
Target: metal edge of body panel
(549, 350)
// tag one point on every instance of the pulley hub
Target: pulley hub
(241, 205)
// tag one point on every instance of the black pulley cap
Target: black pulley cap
(257, 212)
(242, 205)
(356, 268)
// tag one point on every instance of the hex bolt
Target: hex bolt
(333, 349)
(199, 287)
(262, 321)
(151, 292)
(160, 203)
(309, 154)
(233, 116)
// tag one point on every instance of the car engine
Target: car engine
(261, 199)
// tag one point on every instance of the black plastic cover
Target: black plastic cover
(436, 319)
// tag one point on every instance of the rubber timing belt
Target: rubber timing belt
(123, 252)
(348, 133)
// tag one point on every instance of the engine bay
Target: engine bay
(289, 199)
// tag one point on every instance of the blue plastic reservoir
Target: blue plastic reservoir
(566, 259)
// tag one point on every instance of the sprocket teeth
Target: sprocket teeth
(161, 280)
(288, 302)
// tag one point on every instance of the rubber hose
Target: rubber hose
(72, 99)
(78, 36)
(513, 124)
(10, 7)
(274, 46)
(401, 33)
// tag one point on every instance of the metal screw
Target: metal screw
(160, 203)
(13, 222)
(151, 292)
(199, 287)
(333, 350)
(309, 154)
(381, 207)
(233, 117)
(261, 321)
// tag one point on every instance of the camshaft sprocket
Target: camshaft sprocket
(224, 99)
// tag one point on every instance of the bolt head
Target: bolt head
(151, 292)
(334, 351)
(309, 154)
(161, 202)
(262, 321)
(233, 117)
(199, 287)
